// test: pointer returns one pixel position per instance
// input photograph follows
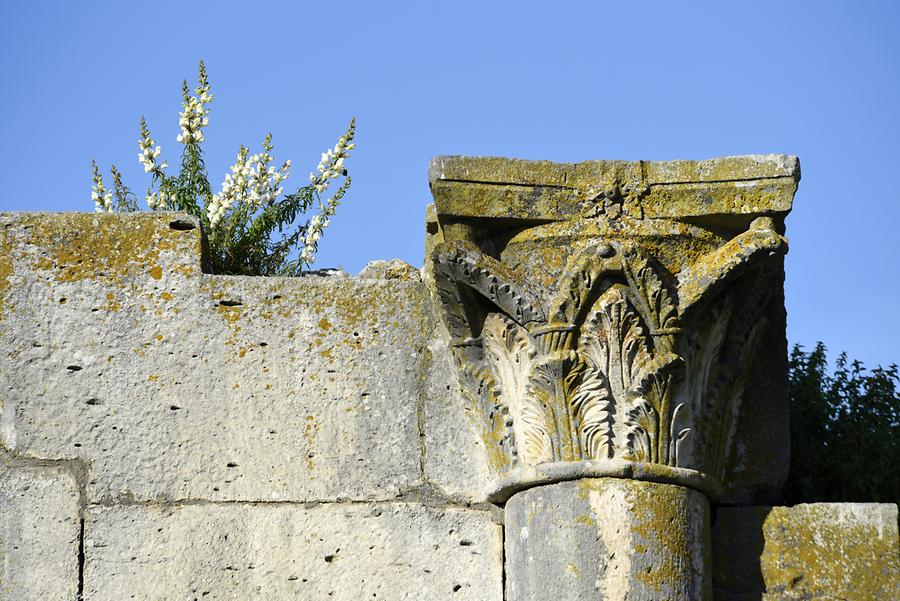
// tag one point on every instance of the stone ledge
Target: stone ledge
(821, 550)
(490, 187)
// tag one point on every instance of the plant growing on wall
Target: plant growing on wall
(252, 226)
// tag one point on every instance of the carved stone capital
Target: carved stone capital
(619, 319)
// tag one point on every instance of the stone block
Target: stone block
(333, 552)
(488, 187)
(39, 534)
(607, 538)
(814, 551)
(395, 269)
(171, 384)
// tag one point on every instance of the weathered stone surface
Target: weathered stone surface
(387, 551)
(607, 538)
(487, 187)
(815, 551)
(171, 384)
(395, 269)
(622, 319)
(455, 455)
(39, 534)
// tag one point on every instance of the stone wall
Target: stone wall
(170, 434)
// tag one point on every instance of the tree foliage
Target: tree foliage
(845, 430)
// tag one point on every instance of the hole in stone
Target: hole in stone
(182, 225)
(276, 297)
(230, 303)
(457, 587)
(465, 543)
(174, 407)
(231, 464)
(93, 401)
(263, 344)
(329, 558)
(74, 367)
(63, 300)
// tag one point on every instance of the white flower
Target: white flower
(194, 114)
(150, 152)
(99, 194)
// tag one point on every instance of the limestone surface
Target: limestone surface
(607, 538)
(39, 533)
(171, 384)
(613, 317)
(333, 552)
(455, 455)
(812, 551)
(395, 269)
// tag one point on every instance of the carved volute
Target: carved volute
(619, 319)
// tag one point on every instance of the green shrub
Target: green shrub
(253, 228)
(845, 430)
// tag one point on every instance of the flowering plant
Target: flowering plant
(253, 228)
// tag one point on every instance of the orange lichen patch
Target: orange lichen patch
(231, 314)
(185, 270)
(6, 267)
(111, 303)
(659, 509)
(837, 548)
(585, 520)
(165, 296)
(310, 434)
(107, 247)
(325, 324)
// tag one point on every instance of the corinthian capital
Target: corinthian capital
(621, 319)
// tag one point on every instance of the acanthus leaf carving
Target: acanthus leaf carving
(510, 353)
(656, 303)
(594, 403)
(614, 370)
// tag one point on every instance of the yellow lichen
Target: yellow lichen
(77, 246)
(6, 267)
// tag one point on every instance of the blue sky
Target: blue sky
(559, 81)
